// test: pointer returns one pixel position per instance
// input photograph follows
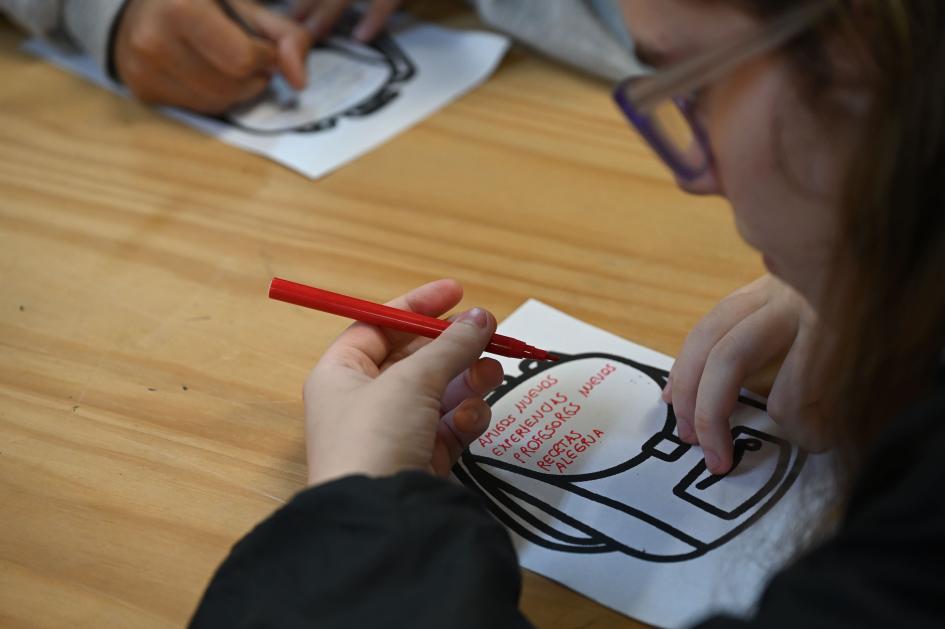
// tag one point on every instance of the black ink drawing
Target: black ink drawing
(347, 79)
(685, 512)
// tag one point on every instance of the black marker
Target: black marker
(283, 92)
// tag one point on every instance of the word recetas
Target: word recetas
(565, 451)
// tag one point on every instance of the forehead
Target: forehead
(679, 28)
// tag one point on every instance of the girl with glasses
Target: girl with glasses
(823, 125)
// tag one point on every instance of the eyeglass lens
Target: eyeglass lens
(676, 130)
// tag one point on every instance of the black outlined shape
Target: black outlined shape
(382, 52)
(753, 442)
(516, 508)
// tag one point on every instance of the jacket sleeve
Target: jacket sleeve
(884, 566)
(568, 31)
(406, 551)
(85, 24)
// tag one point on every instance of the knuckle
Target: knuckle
(682, 410)
(700, 339)
(727, 351)
(145, 42)
(699, 332)
(779, 408)
(717, 318)
(704, 423)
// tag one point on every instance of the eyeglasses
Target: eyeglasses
(663, 106)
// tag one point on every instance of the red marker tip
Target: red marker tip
(540, 354)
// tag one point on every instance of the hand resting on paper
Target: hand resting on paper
(761, 323)
(380, 402)
(189, 53)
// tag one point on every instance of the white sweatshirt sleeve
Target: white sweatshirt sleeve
(570, 31)
(85, 24)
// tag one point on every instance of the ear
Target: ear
(705, 184)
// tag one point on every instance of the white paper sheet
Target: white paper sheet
(358, 96)
(583, 465)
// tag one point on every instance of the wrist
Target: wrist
(326, 470)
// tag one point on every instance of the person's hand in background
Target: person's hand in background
(757, 325)
(320, 16)
(189, 53)
(379, 401)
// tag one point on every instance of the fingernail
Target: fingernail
(476, 316)
(712, 462)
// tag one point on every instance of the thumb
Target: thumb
(293, 54)
(439, 361)
(292, 43)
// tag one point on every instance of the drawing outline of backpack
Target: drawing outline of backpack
(612, 476)
(346, 79)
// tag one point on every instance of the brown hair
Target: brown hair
(885, 316)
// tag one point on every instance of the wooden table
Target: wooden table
(150, 407)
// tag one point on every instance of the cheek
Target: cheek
(771, 164)
(741, 128)
(779, 169)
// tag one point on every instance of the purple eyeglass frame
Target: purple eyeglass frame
(647, 128)
(691, 74)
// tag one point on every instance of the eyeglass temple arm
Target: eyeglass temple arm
(705, 69)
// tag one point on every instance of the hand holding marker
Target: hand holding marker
(393, 318)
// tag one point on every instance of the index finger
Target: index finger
(322, 16)
(690, 365)
(374, 19)
(225, 44)
(291, 40)
(377, 343)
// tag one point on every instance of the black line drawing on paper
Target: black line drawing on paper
(347, 79)
(693, 512)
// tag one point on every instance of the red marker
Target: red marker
(387, 317)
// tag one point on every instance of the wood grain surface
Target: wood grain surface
(150, 408)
